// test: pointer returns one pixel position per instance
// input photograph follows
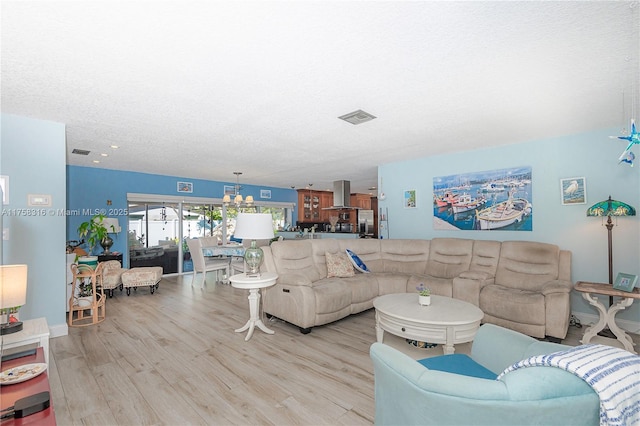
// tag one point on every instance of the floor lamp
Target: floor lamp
(610, 208)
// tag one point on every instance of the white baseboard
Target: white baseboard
(58, 330)
(626, 325)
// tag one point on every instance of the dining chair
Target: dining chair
(202, 265)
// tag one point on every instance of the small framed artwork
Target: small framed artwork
(625, 282)
(265, 193)
(229, 190)
(185, 187)
(410, 199)
(573, 191)
(4, 184)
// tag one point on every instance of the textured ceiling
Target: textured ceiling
(202, 89)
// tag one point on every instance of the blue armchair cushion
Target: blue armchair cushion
(458, 364)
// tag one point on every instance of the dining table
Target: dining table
(229, 250)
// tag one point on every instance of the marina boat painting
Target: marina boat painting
(488, 200)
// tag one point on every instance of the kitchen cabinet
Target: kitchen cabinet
(311, 205)
(362, 201)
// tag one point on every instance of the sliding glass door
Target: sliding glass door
(158, 227)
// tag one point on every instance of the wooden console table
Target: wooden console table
(607, 315)
(11, 393)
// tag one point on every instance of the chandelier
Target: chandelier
(237, 199)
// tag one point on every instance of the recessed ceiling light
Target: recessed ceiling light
(96, 161)
(115, 146)
(357, 117)
(104, 155)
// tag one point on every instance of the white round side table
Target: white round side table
(254, 284)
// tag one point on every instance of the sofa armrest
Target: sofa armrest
(557, 286)
(468, 284)
(291, 278)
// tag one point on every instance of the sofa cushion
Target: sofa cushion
(367, 249)
(522, 306)
(357, 262)
(338, 265)
(364, 287)
(458, 364)
(448, 257)
(527, 265)
(405, 256)
(332, 295)
(295, 257)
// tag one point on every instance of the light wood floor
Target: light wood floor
(172, 358)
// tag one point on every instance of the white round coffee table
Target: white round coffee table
(254, 284)
(446, 321)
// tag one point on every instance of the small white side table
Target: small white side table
(254, 284)
(607, 315)
(33, 331)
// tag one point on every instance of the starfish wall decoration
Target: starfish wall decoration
(634, 138)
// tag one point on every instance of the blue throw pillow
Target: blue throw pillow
(357, 262)
(458, 364)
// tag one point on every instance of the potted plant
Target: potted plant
(95, 231)
(424, 295)
(85, 293)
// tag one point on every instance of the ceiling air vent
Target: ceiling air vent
(357, 117)
(80, 151)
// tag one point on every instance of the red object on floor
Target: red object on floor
(11, 393)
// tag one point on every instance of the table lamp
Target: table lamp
(113, 227)
(254, 226)
(13, 294)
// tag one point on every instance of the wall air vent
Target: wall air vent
(80, 151)
(357, 117)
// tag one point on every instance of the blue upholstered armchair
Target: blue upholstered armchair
(408, 393)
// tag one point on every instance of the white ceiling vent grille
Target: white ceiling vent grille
(357, 117)
(80, 151)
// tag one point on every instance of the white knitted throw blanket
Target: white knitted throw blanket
(614, 374)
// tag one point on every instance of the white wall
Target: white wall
(32, 154)
(592, 155)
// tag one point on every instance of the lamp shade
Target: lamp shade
(611, 207)
(13, 286)
(112, 225)
(254, 226)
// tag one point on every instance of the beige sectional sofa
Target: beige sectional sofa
(524, 286)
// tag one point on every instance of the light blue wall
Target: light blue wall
(33, 156)
(89, 189)
(592, 155)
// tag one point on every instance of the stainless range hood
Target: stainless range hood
(341, 193)
(341, 196)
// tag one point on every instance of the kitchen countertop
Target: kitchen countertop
(295, 235)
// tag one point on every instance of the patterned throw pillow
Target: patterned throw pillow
(338, 265)
(357, 262)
